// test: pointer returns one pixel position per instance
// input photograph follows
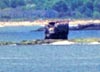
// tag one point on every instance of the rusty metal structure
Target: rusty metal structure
(57, 30)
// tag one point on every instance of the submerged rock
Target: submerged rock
(53, 42)
(6, 43)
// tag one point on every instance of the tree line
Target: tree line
(65, 8)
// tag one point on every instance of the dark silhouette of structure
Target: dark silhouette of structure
(56, 30)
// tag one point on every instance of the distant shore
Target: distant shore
(45, 22)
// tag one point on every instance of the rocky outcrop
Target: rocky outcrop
(79, 27)
(86, 27)
(52, 42)
(6, 43)
(56, 31)
(27, 42)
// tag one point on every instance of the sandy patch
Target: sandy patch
(45, 22)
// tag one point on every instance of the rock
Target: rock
(53, 42)
(39, 29)
(86, 27)
(56, 31)
(6, 43)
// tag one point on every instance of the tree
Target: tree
(4, 4)
(15, 3)
(96, 14)
(60, 6)
(97, 5)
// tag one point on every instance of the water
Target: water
(20, 33)
(19, 28)
(26, 33)
(71, 58)
(84, 34)
(19, 36)
(47, 58)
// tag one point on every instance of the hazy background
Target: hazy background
(46, 9)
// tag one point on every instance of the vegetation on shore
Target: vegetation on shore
(86, 40)
(50, 41)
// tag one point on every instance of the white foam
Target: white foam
(62, 43)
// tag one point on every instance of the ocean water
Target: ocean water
(47, 58)
(27, 33)
(20, 33)
(37, 58)
(84, 34)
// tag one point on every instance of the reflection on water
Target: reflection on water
(71, 58)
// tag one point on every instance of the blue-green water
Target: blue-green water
(71, 58)
(47, 58)
(26, 33)
(20, 33)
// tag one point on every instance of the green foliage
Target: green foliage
(78, 15)
(96, 14)
(60, 6)
(67, 8)
(4, 4)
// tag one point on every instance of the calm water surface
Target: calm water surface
(26, 33)
(71, 58)
(47, 58)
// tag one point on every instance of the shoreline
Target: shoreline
(45, 22)
(91, 41)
